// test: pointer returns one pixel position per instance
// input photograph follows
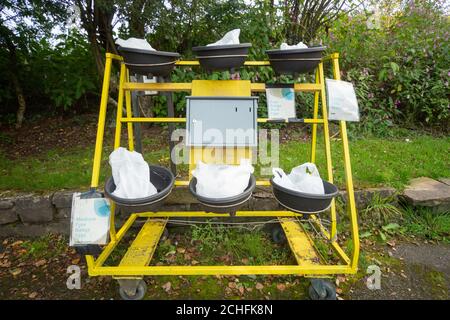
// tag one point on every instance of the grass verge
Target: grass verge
(375, 162)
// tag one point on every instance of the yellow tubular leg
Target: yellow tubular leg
(314, 126)
(112, 226)
(120, 106)
(348, 176)
(129, 115)
(326, 134)
(101, 124)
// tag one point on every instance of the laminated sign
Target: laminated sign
(280, 101)
(342, 103)
(89, 222)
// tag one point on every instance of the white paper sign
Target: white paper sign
(342, 102)
(281, 103)
(89, 222)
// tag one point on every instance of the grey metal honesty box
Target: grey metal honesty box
(221, 121)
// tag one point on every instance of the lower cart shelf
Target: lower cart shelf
(135, 263)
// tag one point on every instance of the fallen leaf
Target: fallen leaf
(16, 271)
(5, 263)
(241, 290)
(391, 243)
(167, 287)
(338, 290)
(281, 286)
(40, 263)
(194, 262)
(32, 295)
(245, 260)
(14, 244)
(232, 285)
(76, 261)
(187, 256)
(181, 250)
(259, 286)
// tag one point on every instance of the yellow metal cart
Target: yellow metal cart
(135, 263)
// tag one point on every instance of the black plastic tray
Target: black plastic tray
(296, 60)
(305, 203)
(217, 58)
(160, 177)
(147, 62)
(224, 205)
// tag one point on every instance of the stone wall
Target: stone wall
(32, 215)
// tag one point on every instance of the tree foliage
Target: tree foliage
(400, 69)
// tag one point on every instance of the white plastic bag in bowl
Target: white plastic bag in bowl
(304, 178)
(131, 174)
(222, 181)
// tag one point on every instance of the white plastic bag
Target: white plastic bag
(300, 45)
(222, 181)
(231, 37)
(135, 43)
(131, 175)
(342, 102)
(304, 178)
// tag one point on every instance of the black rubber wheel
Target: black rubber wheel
(140, 292)
(321, 290)
(278, 235)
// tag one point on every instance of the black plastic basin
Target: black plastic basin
(163, 181)
(146, 62)
(305, 203)
(224, 205)
(222, 57)
(296, 60)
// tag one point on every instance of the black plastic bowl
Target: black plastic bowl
(146, 62)
(224, 205)
(295, 60)
(305, 203)
(222, 57)
(160, 177)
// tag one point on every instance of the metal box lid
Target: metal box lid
(221, 121)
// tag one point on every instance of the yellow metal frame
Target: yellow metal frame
(135, 262)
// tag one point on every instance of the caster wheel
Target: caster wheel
(322, 290)
(141, 289)
(165, 235)
(278, 235)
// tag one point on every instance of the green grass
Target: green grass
(425, 223)
(45, 246)
(375, 162)
(55, 171)
(378, 162)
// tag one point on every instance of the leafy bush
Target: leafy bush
(66, 71)
(400, 70)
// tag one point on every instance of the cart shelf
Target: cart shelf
(135, 264)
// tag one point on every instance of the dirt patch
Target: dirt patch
(64, 134)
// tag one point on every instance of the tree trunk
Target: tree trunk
(14, 69)
(20, 99)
